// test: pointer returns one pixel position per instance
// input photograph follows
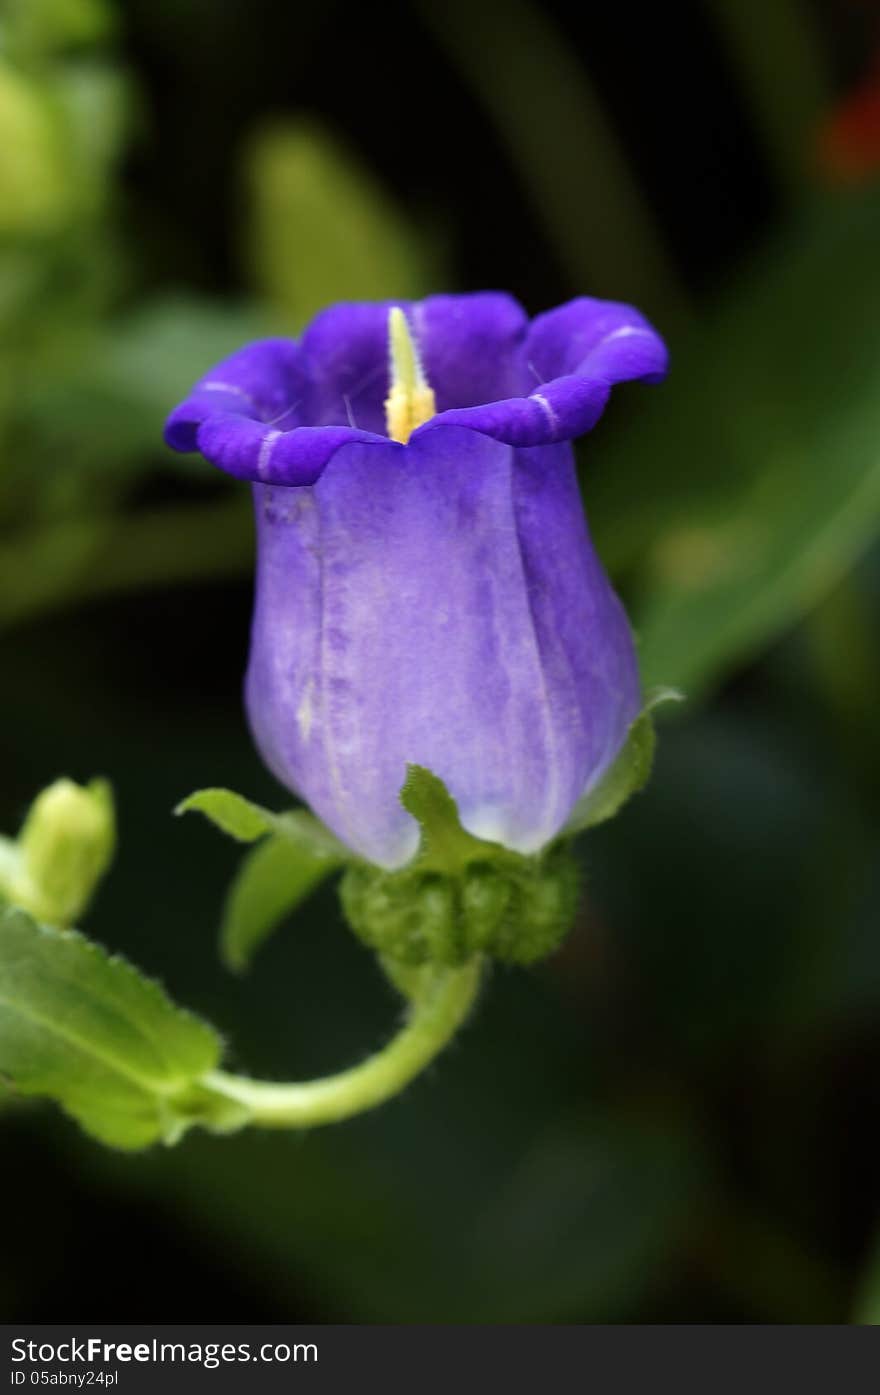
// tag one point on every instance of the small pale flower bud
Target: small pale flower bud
(64, 849)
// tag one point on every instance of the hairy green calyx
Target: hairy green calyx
(515, 909)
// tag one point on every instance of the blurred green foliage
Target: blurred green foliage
(753, 482)
(321, 229)
(673, 1120)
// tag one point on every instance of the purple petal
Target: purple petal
(589, 336)
(267, 455)
(575, 355)
(580, 625)
(345, 350)
(438, 605)
(471, 347)
(276, 412)
(261, 382)
(245, 416)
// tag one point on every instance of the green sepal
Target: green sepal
(630, 770)
(516, 909)
(107, 1044)
(234, 815)
(271, 881)
(245, 821)
(273, 878)
(445, 846)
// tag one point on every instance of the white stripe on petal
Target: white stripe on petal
(551, 415)
(266, 452)
(216, 386)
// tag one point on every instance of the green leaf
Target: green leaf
(628, 774)
(445, 844)
(37, 29)
(232, 813)
(270, 883)
(750, 482)
(112, 391)
(321, 229)
(141, 359)
(35, 191)
(107, 1044)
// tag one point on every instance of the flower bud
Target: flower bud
(64, 849)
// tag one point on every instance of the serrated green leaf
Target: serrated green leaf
(107, 1044)
(231, 813)
(270, 883)
(628, 774)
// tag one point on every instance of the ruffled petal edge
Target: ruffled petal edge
(224, 417)
(621, 346)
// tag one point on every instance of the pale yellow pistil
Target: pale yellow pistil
(410, 401)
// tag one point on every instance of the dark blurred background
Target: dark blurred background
(675, 1118)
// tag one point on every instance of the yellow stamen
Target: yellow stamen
(410, 401)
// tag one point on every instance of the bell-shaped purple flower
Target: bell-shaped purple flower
(435, 601)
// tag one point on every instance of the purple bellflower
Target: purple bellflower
(427, 591)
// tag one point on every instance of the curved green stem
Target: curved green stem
(434, 1018)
